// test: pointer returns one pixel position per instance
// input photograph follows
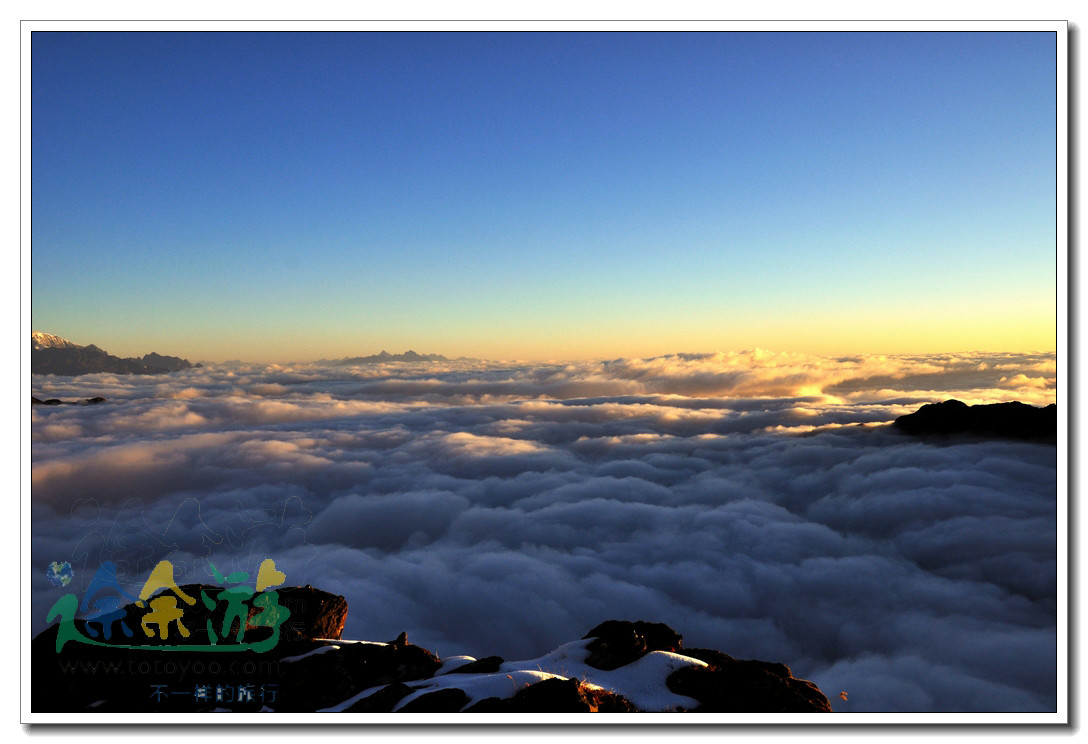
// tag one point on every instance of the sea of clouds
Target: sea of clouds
(755, 501)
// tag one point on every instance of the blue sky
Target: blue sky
(291, 196)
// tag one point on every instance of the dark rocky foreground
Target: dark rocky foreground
(619, 667)
(998, 420)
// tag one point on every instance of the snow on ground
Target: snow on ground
(642, 681)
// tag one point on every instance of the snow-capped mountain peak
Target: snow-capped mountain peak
(39, 340)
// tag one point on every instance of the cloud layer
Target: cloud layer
(753, 501)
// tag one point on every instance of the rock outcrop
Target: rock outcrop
(998, 420)
(618, 667)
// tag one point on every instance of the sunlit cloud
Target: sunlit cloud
(754, 501)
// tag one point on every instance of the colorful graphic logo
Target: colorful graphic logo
(104, 605)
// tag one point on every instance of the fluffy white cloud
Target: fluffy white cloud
(754, 501)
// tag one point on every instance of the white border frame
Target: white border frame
(1061, 716)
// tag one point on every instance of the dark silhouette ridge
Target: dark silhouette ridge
(57, 402)
(57, 356)
(385, 356)
(169, 363)
(997, 420)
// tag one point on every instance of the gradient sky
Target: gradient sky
(286, 197)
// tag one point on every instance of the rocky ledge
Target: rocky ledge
(617, 667)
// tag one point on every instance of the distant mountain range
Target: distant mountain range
(53, 355)
(385, 356)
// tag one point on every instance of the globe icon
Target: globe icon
(59, 574)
